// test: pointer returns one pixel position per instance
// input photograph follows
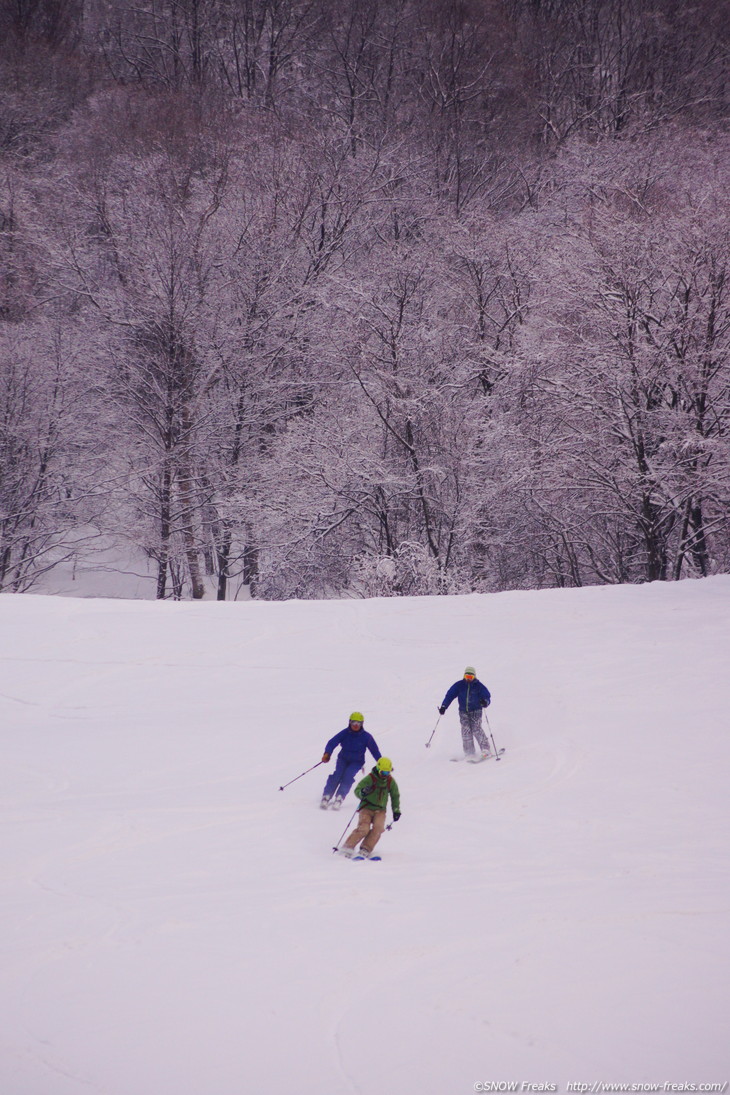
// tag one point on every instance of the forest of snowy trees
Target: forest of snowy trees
(365, 296)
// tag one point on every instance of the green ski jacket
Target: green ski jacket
(374, 790)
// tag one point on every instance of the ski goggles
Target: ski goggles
(468, 676)
(355, 722)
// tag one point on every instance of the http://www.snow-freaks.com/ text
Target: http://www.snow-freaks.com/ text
(600, 1087)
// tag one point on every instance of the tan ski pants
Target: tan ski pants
(369, 829)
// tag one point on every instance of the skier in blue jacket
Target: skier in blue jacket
(353, 742)
(472, 696)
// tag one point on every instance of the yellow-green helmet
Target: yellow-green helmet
(385, 764)
(357, 716)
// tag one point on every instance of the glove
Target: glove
(485, 703)
(325, 758)
(442, 710)
(396, 815)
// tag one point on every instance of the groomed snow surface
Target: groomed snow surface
(174, 924)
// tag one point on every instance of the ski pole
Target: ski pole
(489, 728)
(302, 774)
(428, 743)
(337, 845)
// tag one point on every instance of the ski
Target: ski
(375, 858)
(489, 756)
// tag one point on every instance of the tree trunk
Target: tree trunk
(164, 553)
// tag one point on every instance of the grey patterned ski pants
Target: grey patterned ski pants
(471, 728)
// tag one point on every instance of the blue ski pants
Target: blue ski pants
(343, 777)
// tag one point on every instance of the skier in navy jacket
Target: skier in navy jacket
(472, 696)
(353, 742)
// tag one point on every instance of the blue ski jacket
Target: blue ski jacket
(469, 694)
(354, 743)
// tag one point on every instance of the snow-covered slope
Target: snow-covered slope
(173, 924)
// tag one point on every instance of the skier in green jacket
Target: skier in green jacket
(373, 791)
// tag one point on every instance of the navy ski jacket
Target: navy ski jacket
(469, 694)
(354, 743)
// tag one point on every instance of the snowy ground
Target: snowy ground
(173, 924)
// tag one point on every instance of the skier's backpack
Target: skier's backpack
(374, 784)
